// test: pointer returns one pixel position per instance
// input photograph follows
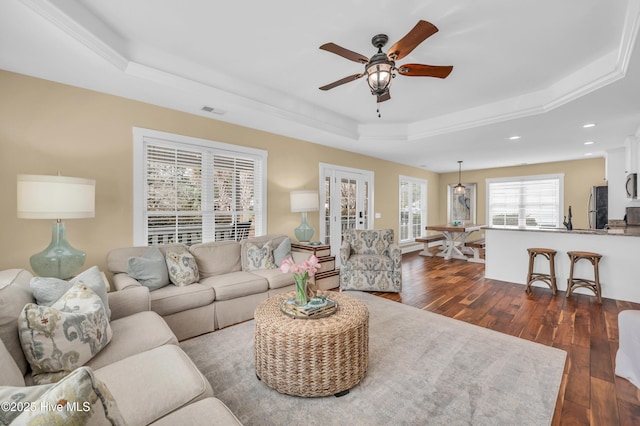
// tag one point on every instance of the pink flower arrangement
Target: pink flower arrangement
(309, 267)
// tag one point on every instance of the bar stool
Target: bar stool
(550, 278)
(594, 284)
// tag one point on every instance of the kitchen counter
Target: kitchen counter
(507, 258)
(632, 231)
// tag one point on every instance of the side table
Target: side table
(327, 277)
(312, 357)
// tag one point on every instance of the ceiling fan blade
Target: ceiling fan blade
(384, 97)
(420, 70)
(417, 35)
(341, 81)
(345, 53)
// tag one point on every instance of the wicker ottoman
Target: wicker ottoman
(312, 357)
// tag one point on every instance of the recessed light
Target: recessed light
(586, 126)
(588, 154)
(514, 138)
(589, 142)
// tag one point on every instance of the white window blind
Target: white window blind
(413, 208)
(190, 190)
(532, 201)
(173, 182)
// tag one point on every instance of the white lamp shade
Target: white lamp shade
(304, 201)
(55, 197)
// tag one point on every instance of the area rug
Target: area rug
(424, 369)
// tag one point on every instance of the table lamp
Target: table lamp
(304, 201)
(56, 197)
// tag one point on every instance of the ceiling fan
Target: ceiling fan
(381, 67)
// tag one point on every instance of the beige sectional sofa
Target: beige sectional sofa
(150, 378)
(227, 292)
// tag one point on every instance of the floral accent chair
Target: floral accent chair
(370, 261)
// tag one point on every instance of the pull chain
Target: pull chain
(378, 110)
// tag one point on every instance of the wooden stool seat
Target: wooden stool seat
(550, 278)
(594, 284)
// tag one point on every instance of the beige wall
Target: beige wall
(579, 176)
(47, 128)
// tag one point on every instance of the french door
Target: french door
(348, 202)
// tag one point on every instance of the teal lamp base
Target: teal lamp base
(304, 232)
(59, 259)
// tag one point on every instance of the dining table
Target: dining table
(455, 235)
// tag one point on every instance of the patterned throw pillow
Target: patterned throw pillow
(182, 268)
(58, 339)
(19, 399)
(260, 257)
(79, 398)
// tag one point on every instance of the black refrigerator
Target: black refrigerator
(598, 209)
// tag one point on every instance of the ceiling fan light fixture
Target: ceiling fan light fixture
(379, 76)
(459, 189)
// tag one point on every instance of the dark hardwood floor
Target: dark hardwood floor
(590, 394)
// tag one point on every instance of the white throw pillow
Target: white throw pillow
(47, 290)
(282, 252)
(150, 269)
(182, 268)
(58, 339)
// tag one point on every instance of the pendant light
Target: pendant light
(459, 189)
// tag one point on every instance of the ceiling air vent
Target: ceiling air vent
(214, 110)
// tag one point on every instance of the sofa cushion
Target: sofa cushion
(118, 259)
(47, 290)
(154, 383)
(86, 401)
(171, 299)
(134, 334)
(58, 339)
(150, 269)
(236, 284)
(193, 414)
(10, 374)
(371, 262)
(275, 278)
(182, 267)
(14, 294)
(217, 258)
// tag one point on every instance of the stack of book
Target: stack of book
(311, 310)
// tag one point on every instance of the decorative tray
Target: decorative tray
(317, 307)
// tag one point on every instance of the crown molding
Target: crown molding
(67, 16)
(75, 20)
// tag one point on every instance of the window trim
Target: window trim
(424, 202)
(142, 135)
(489, 181)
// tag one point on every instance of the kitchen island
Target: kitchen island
(507, 259)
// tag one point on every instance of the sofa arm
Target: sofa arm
(395, 253)
(123, 281)
(128, 302)
(345, 252)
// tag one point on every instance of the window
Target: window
(413, 208)
(529, 201)
(192, 190)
